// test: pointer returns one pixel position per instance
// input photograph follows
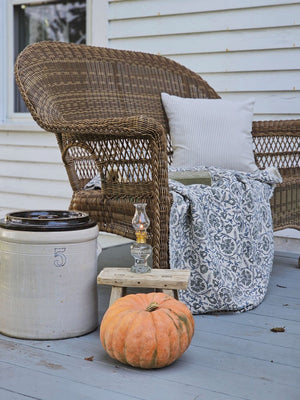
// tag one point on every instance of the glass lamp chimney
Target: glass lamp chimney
(140, 250)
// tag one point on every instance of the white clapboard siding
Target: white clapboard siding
(26, 186)
(239, 19)
(147, 8)
(44, 171)
(15, 201)
(258, 81)
(285, 60)
(267, 102)
(19, 137)
(211, 42)
(241, 48)
(30, 154)
(32, 174)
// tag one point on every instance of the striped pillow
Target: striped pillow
(210, 132)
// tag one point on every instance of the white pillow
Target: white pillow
(210, 132)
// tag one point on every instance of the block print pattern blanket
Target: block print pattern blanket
(223, 234)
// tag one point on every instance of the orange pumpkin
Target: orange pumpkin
(147, 330)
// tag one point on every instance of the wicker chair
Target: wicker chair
(105, 108)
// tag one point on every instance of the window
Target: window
(63, 21)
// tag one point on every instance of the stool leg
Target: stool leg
(171, 292)
(116, 293)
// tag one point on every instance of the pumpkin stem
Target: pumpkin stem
(152, 306)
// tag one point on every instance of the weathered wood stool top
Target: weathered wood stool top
(168, 281)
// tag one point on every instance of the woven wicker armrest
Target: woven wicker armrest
(130, 154)
(277, 143)
(269, 128)
(132, 126)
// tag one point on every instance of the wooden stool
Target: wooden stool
(167, 280)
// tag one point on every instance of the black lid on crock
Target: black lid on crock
(46, 221)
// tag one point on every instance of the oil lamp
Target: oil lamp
(140, 250)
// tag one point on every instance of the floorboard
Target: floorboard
(232, 356)
(12, 395)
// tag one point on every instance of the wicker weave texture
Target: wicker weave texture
(277, 143)
(104, 106)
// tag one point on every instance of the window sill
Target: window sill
(26, 126)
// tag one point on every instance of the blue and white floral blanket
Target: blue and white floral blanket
(223, 234)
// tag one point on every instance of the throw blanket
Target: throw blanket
(223, 234)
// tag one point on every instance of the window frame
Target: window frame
(22, 117)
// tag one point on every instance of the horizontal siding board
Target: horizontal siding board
(4, 211)
(257, 39)
(239, 19)
(32, 172)
(30, 154)
(28, 139)
(145, 8)
(269, 102)
(254, 81)
(44, 171)
(31, 202)
(269, 60)
(27, 186)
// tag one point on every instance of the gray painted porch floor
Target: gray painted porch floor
(232, 356)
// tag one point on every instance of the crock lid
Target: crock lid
(40, 220)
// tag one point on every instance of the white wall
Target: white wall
(32, 175)
(241, 47)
